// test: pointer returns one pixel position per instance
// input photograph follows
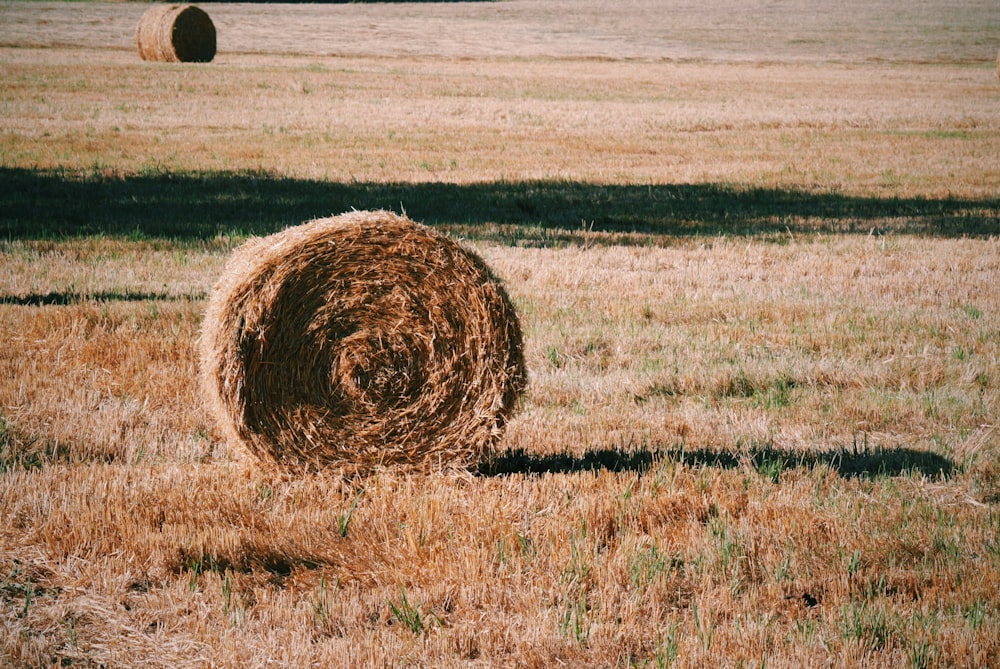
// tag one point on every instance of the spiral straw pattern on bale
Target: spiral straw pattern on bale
(358, 341)
(176, 34)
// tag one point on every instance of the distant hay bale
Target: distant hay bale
(361, 340)
(176, 34)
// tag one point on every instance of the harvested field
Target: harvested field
(757, 270)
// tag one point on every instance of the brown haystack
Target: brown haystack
(176, 34)
(361, 340)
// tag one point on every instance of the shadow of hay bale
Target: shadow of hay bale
(847, 462)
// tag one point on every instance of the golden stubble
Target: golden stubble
(899, 129)
(778, 452)
(142, 538)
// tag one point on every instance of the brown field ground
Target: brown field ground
(755, 250)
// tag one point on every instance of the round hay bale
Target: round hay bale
(361, 340)
(176, 34)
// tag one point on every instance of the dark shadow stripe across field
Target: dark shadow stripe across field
(45, 204)
(768, 461)
(63, 298)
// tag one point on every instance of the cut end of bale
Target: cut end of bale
(176, 34)
(359, 341)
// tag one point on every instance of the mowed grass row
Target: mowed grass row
(762, 323)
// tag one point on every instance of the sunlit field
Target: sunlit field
(755, 252)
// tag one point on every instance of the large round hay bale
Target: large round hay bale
(176, 34)
(361, 340)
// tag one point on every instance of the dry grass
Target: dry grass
(728, 450)
(858, 129)
(733, 450)
(726, 30)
